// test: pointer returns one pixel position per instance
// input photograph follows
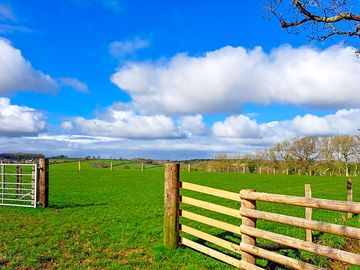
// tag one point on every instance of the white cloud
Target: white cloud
(19, 121)
(222, 80)
(121, 123)
(106, 137)
(240, 126)
(6, 13)
(236, 126)
(193, 125)
(75, 84)
(128, 47)
(10, 29)
(18, 74)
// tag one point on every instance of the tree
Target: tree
(305, 150)
(346, 147)
(320, 20)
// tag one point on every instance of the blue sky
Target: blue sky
(164, 79)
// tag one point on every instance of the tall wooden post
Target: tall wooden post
(171, 205)
(308, 213)
(142, 166)
(43, 182)
(79, 165)
(349, 194)
(111, 166)
(250, 222)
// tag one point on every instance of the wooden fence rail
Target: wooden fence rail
(248, 214)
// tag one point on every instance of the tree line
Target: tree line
(311, 155)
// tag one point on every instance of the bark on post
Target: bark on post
(171, 205)
(43, 182)
(308, 213)
(250, 222)
(349, 194)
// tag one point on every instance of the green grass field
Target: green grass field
(102, 219)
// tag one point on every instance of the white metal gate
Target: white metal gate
(19, 185)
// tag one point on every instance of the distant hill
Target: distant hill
(17, 156)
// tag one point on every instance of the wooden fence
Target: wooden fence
(249, 249)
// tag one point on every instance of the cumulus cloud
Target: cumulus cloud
(18, 74)
(18, 121)
(121, 123)
(241, 126)
(237, 126)
(120, 49)
(75, 84)
(222, 80)
(193, 125)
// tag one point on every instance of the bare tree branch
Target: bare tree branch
(319, 19)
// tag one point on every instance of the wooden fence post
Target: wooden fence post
(349, 194)
(79, 165)
(142, 166)
(111, 166)
(171, 205)
(18, 179)
(189, 167)
(43, 182)
(250, 222)
(308, 213)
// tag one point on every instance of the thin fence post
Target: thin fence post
(250, 222)
(189, 167)
(111, 166)
(18, 179)
(171, 205)
(79, 165)
(349, 194)
(142, 166)
(308, 213)
(43, 182)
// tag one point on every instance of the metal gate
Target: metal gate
(19, 184)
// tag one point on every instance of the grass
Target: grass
(102, 219)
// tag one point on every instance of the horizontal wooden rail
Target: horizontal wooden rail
(211, 252)
(211, 191)
(303, 223)
(211, 222)
(342, 206)
(249, 266)
(210, 238)
(331, 253)
(211, 206)
(278, 258)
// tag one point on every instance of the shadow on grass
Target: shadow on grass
(76, 205)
